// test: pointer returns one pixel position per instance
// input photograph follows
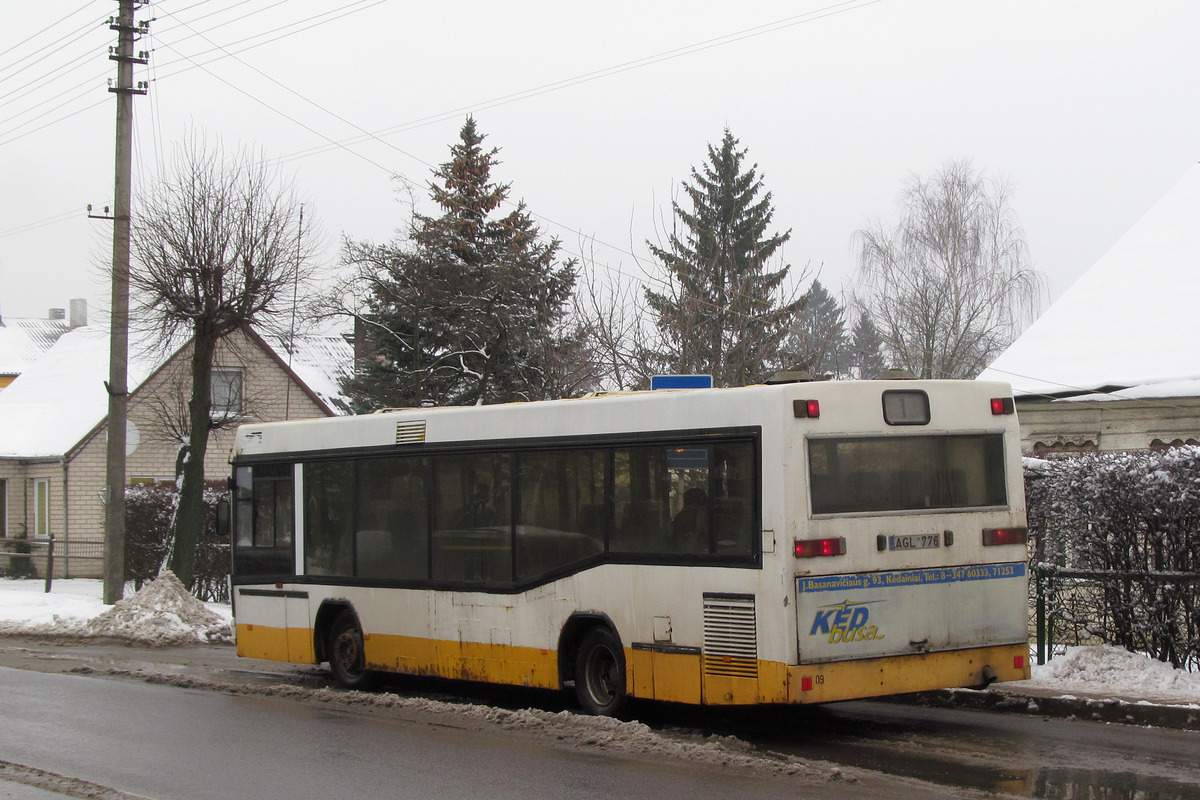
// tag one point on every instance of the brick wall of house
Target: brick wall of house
(154, 410)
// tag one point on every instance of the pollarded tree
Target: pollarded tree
(217, 245)
(723, 311)
(951, 285)
(472, 306)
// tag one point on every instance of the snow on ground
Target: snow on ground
(163, 613)
(1104, 669)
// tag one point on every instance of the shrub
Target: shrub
(1119, 534)
(148, 511)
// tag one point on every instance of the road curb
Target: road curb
(1063, 707)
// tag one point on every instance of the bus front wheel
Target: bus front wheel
(347, 661)
(600, 673)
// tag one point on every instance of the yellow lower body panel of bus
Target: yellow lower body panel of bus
(874, 677)
(668, 676)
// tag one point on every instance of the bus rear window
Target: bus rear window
(906, 473)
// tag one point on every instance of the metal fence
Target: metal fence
(1143, 611)
(27, 558)
(46, 559)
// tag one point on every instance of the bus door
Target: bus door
(273, 621)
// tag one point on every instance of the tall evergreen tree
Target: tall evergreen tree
(723, 312)
(867, 348)
(818, 341)
(472, 307)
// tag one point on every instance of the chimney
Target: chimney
(57, 313)
(78, 313)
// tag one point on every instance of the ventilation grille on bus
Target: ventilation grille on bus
(410, 432)
(730, 636)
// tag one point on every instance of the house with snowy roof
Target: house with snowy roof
(1113, 364)
(54, 423)
(24, 340)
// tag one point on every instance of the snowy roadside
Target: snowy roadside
(163, 613)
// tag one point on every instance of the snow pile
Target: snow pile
(1104, 669)
(162, 613)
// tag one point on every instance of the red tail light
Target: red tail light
(810, 409)
(1003, 405)
(995, 536)
(816, 548)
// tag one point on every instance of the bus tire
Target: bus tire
(347, 661)
(600, 673)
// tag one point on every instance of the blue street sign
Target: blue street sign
(681, 382)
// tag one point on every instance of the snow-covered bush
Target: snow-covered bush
(1117, 538)
(148, 511)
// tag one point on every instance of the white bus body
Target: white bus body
(840, 554)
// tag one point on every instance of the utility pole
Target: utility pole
(118, 360)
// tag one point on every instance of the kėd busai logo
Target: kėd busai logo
(845, 622)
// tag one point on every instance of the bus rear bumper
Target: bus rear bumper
(875, 677)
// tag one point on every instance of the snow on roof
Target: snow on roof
(321, 361)
(59, 399)
(24, 341)
(1129, 320)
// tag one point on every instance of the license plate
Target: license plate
(917, 541)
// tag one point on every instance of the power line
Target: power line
(42, 223)
(53, 49)
(31, 37)
(17, 137)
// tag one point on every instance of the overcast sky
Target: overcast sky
(1091, 110)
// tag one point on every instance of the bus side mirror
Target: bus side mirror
(223, 519)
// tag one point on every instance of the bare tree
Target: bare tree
(951, 285)
(611, 311)
(218, 245)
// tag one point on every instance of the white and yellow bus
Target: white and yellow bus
(794, 543)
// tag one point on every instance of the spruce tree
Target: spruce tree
(818, 341)
(867, 348)
(472, 307)
(722, 312)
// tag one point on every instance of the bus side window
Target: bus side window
(392, 535)
(642, 497)
(559, 518)
(329, 518)
(263, 540)
(642, 528)
(472, 502)
(734, 534)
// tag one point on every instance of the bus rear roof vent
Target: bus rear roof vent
(790, 376)
(895, 374)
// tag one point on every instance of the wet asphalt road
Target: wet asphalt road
(341, 753)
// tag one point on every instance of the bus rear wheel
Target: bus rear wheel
(600, 673)
(347, 661)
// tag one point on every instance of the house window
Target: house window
(226, 393)
(3, 508)
(41, 508)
